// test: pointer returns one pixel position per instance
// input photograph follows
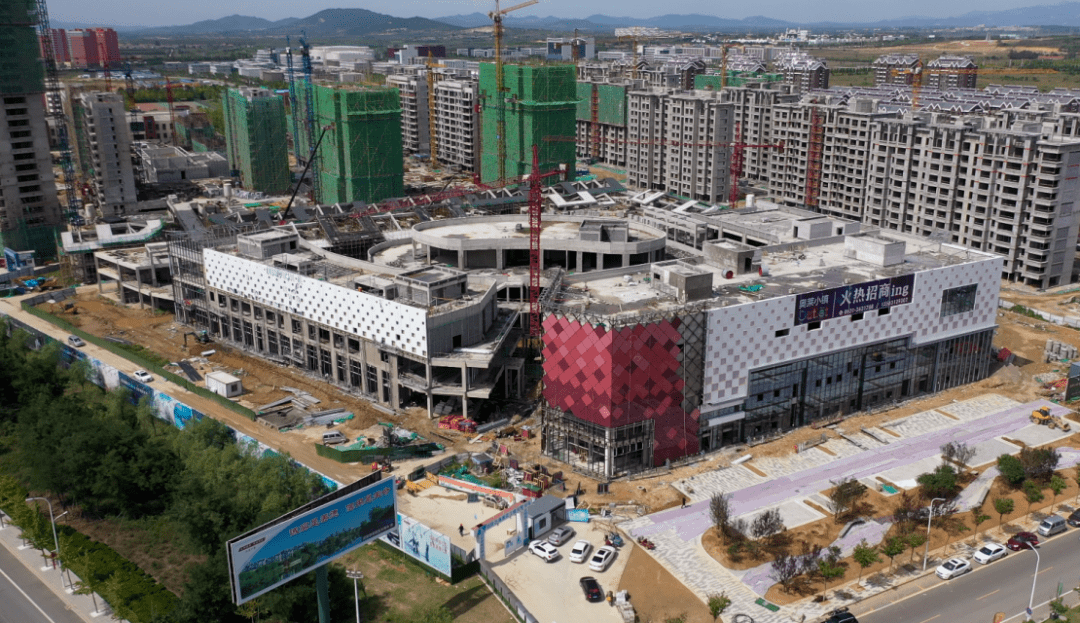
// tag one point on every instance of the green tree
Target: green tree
(1057, 485)
(1012, 470)
(865, 555)
(718, 603)
(829, 567)
(915, 540)
(943, 482)
(1076, 477)
(894, 546)
(979, 518)
(1033, 493)
(1003, 506)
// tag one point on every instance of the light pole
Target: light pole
(926, 550)
(356, 577)
(1031, 600)
(56, 542)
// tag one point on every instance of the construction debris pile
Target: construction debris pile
(1059, 351)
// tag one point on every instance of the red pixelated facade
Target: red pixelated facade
(619, 377)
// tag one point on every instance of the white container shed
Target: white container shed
(224, 384)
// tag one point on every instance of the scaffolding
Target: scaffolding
(20, 67)
(538, 101)
(361, 156)
(256, 140)
(735, 78)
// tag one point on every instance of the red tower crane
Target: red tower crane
(172, 114)
(536, 209)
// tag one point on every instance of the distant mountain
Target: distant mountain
(476, 20)
(329, 23)
(1064, 14)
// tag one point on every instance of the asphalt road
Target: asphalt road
(25, 599)
(1001, 586)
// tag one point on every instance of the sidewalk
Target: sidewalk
(80, 605)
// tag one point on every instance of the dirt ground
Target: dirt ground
(656, 594)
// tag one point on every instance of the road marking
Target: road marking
(987, 595)
(1045, 570)
(32, 602)
(932, 618)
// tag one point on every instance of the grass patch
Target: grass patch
(145, 353)
(398, 588)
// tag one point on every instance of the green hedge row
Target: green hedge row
(119, 350)
(132, 594)
(375, 454)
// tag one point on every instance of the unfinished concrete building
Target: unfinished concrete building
(1008, 187)
(164, 163)
(804, 72)
(415, 125)
(457, 123)
(136, 276)
(840, 134)
(29, 210)
(754, 108)
(79, 245)
(951, 72)
(896, 69)
(601, 122)
(107, 138)
(674, 142)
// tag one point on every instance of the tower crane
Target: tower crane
(309, 106)
(500, 88)
(632, 34)
(291, 74)
(172, 113)
(56, 111)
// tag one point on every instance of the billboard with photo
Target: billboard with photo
(422, 543)
(310, 536)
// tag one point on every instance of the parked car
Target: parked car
(953, 567)
(1052, 525)
(333, 437)
(1074, 519)
(1022, 540)
(841, 615)
(560, 535)
(990, 552)
(76, 341)
(602, 558)
(142, 376)
(544, 550)
(592, 589)
(581, 551)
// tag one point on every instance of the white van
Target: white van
(1052, 525)
(333, 438)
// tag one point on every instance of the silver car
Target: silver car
(560, 535)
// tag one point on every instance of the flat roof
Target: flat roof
(551, 230)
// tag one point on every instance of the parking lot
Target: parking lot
(550, 590)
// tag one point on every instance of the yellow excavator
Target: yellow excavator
(1042, 417)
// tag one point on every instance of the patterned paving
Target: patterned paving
(677, 532)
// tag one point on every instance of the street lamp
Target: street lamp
(1031, 600)
(926, 550)
(56, 542)
(356, 577)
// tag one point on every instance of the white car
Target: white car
(952, 568)
(544, 550)
(143, 375)
(581, 551)
(990, 552)
(602, 558)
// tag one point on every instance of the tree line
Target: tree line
(67, 439)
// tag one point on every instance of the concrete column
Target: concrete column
(579, 262)
(430, 397)
(97, 271)
(500, 258)
(625, 260)
(461, 259)
(138, 282)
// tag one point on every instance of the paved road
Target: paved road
(25, 599)
(1002, 586)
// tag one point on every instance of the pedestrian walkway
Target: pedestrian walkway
(677, 532)
(81, 605)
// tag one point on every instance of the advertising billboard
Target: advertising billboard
(311, 535)
(853, 299)
(422, 543)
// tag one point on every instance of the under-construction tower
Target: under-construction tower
(29, 210)
(256, 139)
(360, 158)
(601, 122)
(537, 102)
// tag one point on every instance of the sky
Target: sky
(170, 12)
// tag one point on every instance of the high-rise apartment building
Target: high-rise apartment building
(107, 135)
(29, 210)
(59, 44)
(896, 69)
(951, 72)
(415, 124)
(457, 124)
(674, 142)
(804, 72)
(255, 138)
(996, 184)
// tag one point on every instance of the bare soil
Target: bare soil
(656, 594)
